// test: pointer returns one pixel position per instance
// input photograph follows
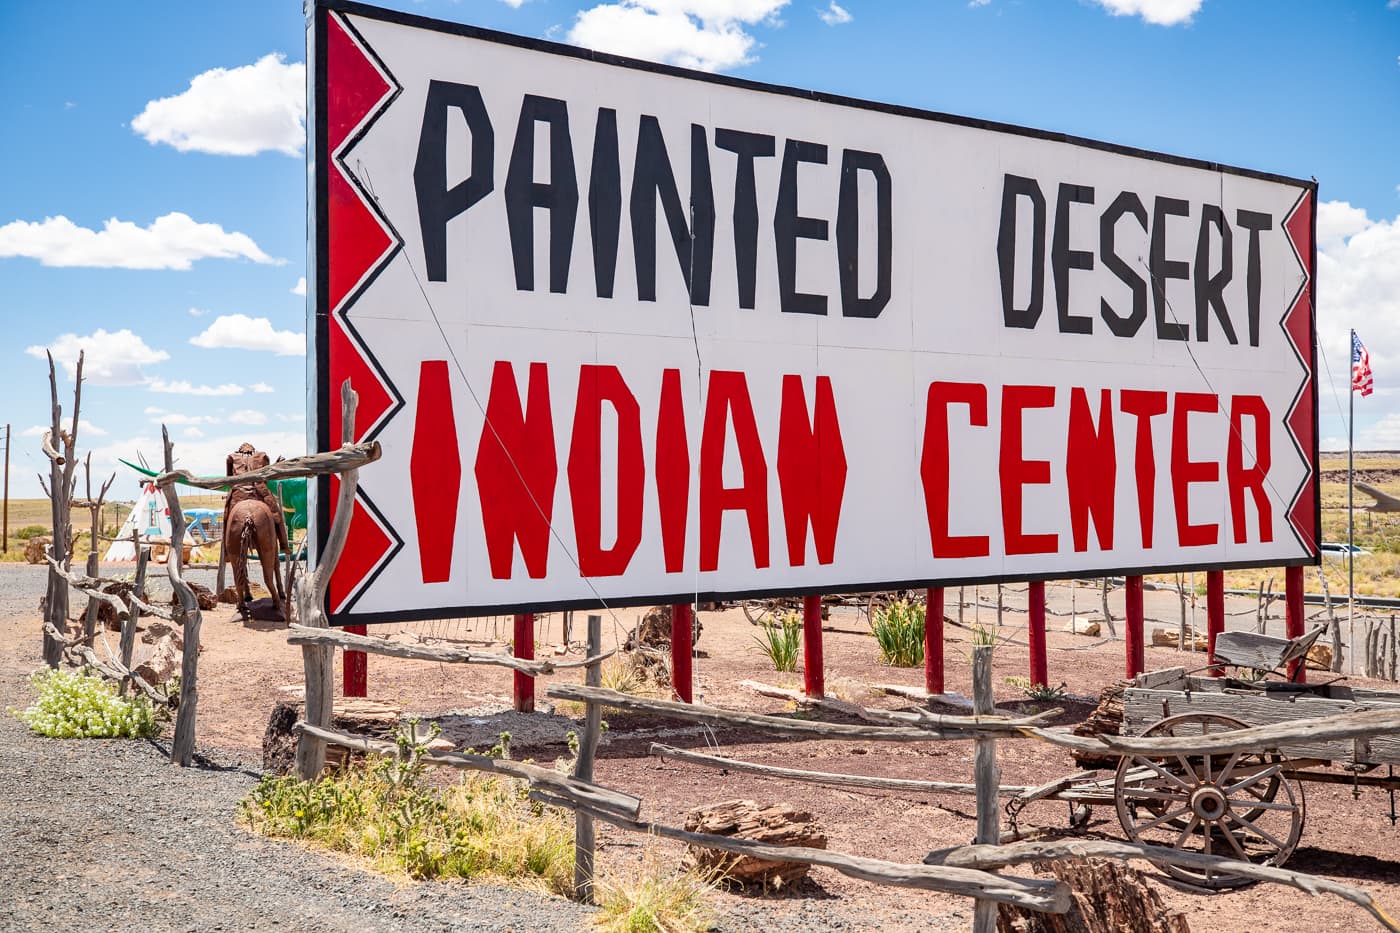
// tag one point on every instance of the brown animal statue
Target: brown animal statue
(253, 519)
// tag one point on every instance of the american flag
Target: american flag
(1360, 367)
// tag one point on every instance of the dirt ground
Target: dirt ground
(1351, 840)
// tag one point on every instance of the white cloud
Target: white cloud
(172, 418)
(290, 418)
(835, 14)
(1358, 284)
(109, 358)
(247, 416)
(517, 4)
(300, 287)
(84, 427)
(184, 387)
(172, 241)
(240, 332)
(261, 387)
(197, 312)
(1156, 12)
(192, 432)
(710, 35)
(233, 111)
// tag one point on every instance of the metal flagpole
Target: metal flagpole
(1351, 524)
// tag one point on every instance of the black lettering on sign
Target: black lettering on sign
(1253, 221)
(605, 202)
(848, 233)
(747, 146)
(1063, 259)
(1015, 187)
(438, 204)
(694, 241)
(1163, 268)
(788, 226)
(1126, 203)
(1210, 289)
(559, 195)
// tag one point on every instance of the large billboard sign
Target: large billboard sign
(629, 333)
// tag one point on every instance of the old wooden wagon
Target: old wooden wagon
(1248, 806)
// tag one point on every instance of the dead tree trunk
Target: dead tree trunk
(1332, 623)
(60, 490)
(187, 613)
(1107, 614)
(318, 660)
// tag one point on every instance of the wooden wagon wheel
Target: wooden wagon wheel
(1236, 805)
(765, 611)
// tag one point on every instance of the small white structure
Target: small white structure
(149, 519)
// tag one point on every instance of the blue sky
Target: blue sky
(1304, 89)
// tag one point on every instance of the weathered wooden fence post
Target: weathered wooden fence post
(584, 840)
(182, 747)
(60, 490)
(987, 778)
(682, 650)
(318, 661)
(1035, 633)
(933, 641)
(133, 613)
(813, 672)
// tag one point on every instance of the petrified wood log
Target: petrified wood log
(1109, 897)
(778, 824)
(362, 717)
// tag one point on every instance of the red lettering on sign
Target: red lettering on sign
(597, 385)
(933, 466)
(1018, 472)
(1186, 471)
(811, 470)
(1237, 478)
(516, 470)
(1091, 469)
(1144, 405)
(726, 401)
(672, 471)
(435, 471)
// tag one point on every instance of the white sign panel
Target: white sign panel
(629, 334)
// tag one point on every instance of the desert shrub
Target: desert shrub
(77, 705)
(621, 674)
(1041, 693)
(781, 641)
(651, 900)
(899, 631)
(31, 531)
(386, 812)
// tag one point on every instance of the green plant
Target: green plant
(1039, 692)
(651, 900)
(387, 813)
(77, 705)
(31, 531)
(899, 631)
(781, 641)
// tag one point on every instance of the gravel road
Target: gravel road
(106, 835)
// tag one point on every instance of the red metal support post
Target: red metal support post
(1132, 632)
(814, 678)
(1035, 634)
(1293, 602)
(933, 641)
(682, 650)
(1215, 614)
(356, 667)
(523, 647)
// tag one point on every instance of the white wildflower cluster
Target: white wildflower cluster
(75, 705)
